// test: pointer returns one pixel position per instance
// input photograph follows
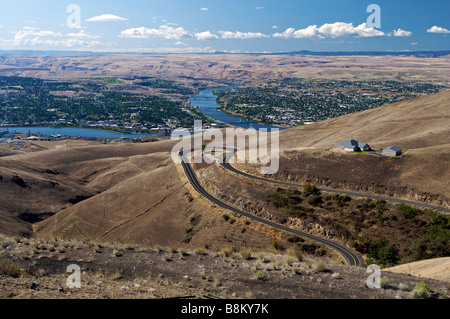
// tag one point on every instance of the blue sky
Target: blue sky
(228, 26)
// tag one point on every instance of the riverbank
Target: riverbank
(240, 116)
(72, 131)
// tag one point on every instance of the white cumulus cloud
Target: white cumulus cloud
(436, 29)
(106, 18)
(164, 31)
(34, 37)
(242, 35)
(333, 30)
(402, 33)
(172, 50)
(206, 35)
(82, 35)
(342, 29)
(310, 32)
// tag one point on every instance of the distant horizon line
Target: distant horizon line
(435, 53)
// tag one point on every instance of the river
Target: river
(73, 131)
(206, 101)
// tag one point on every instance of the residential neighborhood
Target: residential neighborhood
(295, 101)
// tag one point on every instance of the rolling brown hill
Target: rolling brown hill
(413, 124)
(32, 193)
(138, 196)
(155, 206)
(421, 127)
(241, 68)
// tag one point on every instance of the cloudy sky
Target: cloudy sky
(224, 26)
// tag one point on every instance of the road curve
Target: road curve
(230, 168)
(352, 258)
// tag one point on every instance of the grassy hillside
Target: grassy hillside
(413, 124)
(140, 197)
(32, 193)
(420, 127)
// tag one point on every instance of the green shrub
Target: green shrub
(320, 252)
(342, 198)
(300, 211)
(421, 290)
(282, 198)
(314, 200)
(346, 198)
(311, 189)
(259, 274)
(403, 287)
(383, 254)
(275, 244)
(381, 206)
(384, 282)
(407, 212)
(443, 294)
(295, 239)
(434, 243)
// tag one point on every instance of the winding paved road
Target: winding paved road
(230, 168)
(352, 258)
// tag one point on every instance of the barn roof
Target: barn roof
(362, 145)
(349, 144)
(352, 144)
(394, 148)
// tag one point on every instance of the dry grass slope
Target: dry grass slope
(438, 269)
(420, 127)
(413, 124)
(140, 196)
(31, 193)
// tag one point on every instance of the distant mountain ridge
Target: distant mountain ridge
(425, 54)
